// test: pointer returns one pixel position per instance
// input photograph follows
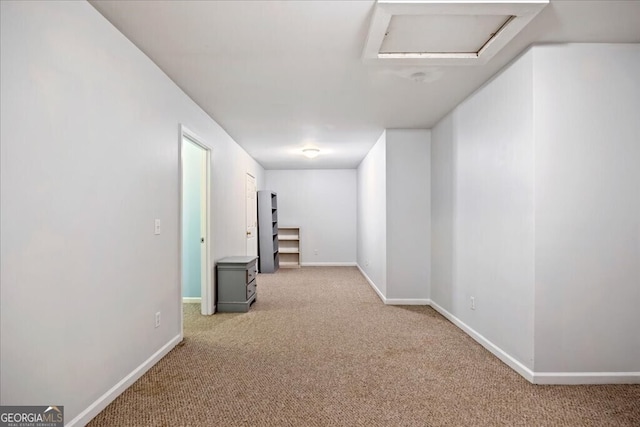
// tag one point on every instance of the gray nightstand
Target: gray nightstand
(236, 283)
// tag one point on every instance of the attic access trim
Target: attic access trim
(440, 32)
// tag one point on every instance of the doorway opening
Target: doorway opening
(195, 216)
(252, 216)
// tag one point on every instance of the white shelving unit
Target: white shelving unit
(289, 247)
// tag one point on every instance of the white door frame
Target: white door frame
(255, 213)
(207, 306)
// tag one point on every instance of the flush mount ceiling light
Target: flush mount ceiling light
(311, 153)
(441, 32)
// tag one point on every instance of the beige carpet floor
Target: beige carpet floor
(319, 348)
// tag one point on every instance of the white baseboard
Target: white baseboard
(191, 300)
(393, 301)
(497, 351)
(328, 264)
(408, 301)
(373, 285)
(575, 378)
(557, 378)
(103, 401)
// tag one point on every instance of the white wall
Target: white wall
(587, 106)
(372, 215)
(485, 182)
(408, 213)
(323, 204)
(536, 213)
(89, 158)
(443, 212)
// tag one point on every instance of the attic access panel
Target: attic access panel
(441, 33)
(430, 32)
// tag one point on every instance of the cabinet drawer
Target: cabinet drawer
(251, 289)
(251, 273)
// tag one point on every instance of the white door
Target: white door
(195, 214)
(252, 217)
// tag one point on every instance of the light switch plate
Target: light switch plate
(157, 227)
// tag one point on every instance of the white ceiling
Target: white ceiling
(281, 75)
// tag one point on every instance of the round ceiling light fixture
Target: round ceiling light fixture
(311, 153)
